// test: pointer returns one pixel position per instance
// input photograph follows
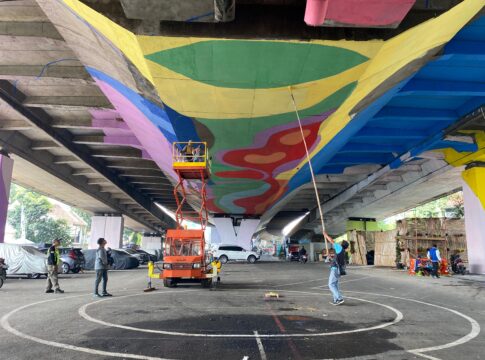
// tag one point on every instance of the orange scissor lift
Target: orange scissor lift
(184, 254)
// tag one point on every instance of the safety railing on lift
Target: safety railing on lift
(190, 153)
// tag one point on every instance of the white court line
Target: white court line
(474, 332)
(260, 346)
(341, 282)
(6, 325)
(399, 316)
(297, 283)
(423, 355)
(471, 335)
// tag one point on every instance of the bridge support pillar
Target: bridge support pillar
(235, 231)
(6, 168)
(109, 227)
(474, 196)
(151, 242)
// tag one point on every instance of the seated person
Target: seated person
(302, 251)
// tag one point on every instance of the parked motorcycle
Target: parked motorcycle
(3, 276)
(457, 265)
(3, 271)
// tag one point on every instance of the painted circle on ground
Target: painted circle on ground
(399, 316)
(4, 322)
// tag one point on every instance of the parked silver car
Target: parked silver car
(72, 260)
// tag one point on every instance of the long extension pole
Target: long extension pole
(311, 170)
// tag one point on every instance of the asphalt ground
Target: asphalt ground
(386, 315)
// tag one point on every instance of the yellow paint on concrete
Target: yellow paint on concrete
(456, 158)
(197, 99)
(123, 39)
(395, 54)
(475, 178)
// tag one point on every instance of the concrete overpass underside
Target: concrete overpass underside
(89, 100)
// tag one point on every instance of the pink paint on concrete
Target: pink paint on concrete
(116, 129)
(112, 124)
(372, 13)
(316, 12)
(104, 114)
(130, 140)
(150, 137)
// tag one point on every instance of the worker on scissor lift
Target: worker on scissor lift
(185, 260)
(188, 152)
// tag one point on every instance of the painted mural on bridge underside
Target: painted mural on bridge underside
(251, 147)
(235, 94)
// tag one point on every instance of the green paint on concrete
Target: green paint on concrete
(248, 64)
(245, 129)
(370, 225)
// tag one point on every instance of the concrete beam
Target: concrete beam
(73, 102)
(33, 71)
(142, 173)
(160, 182)
(130, 140)
(25, 11)
(16, 99)
(18, 144)
(82, 172)
(66, 160)
(132, 164)
(44, 145)
(100, 181)
(125, 153)
(11, 125)
(156, 188)
(71, 123)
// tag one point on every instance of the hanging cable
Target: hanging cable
(311, 170)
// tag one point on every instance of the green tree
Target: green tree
(29, 216)
(131, 237)
(83, 215)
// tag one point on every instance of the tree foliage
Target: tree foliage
(30, 213)
(449, 206)
(83, 215)
(131, 237)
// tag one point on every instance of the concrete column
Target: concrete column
(474, 196)
(108, 227)
(6, 167)
(240, 235)
(151, 242)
